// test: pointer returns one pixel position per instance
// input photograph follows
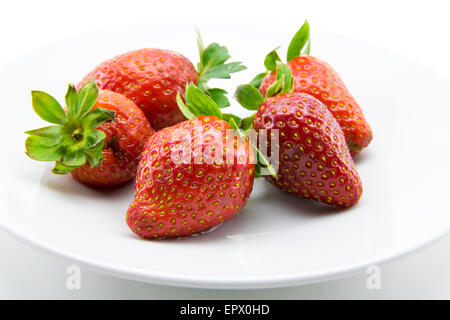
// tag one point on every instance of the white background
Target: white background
(417, 29)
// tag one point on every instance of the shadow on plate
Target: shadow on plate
(362, 157)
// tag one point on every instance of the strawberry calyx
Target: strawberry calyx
(212, 65)
(249, 96)
(270, 62)
(198, 103)
(284, 82)
(300, 45)
(72, 140)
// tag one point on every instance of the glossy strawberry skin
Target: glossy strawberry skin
(151, 78)
(124, 142)
(318, 79)
(174, 199)
(314, 161)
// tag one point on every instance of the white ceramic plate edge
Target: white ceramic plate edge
(285, 280)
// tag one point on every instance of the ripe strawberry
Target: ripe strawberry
(179, 199)
(318, 79)
(314, 160)
(153, 77)
(177, 196)
(98, 140)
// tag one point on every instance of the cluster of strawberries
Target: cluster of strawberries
(106, 135)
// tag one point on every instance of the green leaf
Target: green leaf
(300, 43)
(257, 171)
(248, 96)
(223, 71)
(200, 45)
(284, 82)
(219, 97)
(61, 168)
(212, 63)
(275, 87)
(307, 49)
(48, 132)
(71, 101)
(183, 108)
(263, 160)
(47, 107)
(93, 138)
(257, 80)
(270, 62)
(86, 98)
(213, 55)
(43, 148)
(200, 104)
(73, 158)
(247, 123)
(228, 116)
(94, 154)
(284, 70)
(260, 156)
(96, 117)
(212, 66)
(235, 127)
(201, 84)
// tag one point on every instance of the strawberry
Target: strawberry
(318, 79)
(178, 195)
(153, 77)
(98, 140)
(314, 160)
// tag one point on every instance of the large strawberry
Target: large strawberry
(153, 77)
(98, 140)
(318, 79)
(314, 160)
(189, 179)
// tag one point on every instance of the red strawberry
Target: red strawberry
(98, 140)
(318, 79)
(149, 77)
(185, 182)
(314, 160)
(153, 77)
(179, 198)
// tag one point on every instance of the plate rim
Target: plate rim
(262, 282)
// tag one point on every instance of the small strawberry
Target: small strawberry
(180, 195)
(314, 160)
(318, 79)
(98, 140)
(153, 77)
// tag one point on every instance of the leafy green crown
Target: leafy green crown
(300, 45)
(249, 96)
(73, 139)
(198, 103)
(212, 65)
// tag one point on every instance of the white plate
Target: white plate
(277, 240)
